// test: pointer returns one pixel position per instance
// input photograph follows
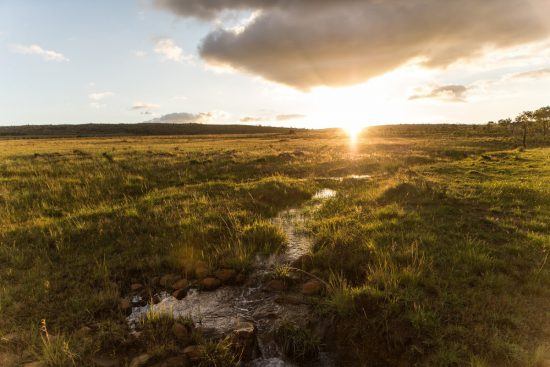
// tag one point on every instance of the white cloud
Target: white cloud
(144, 106)
(99, 96)
(179, 98)
(97, 105)
(168, 49)
(47, 55)
(452, 93)
(212, 117)
(532, 74)
(139, 53)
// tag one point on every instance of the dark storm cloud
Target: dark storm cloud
(455, 93)
(306, 43)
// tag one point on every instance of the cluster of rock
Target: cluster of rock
(178, 285)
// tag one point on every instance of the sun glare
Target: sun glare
(353, 133)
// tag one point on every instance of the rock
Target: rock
(194, 352)
(312, 287)
(105, 362)
(125, 305)
(210, 283)
(243, 339)
(180, 293)
(303, 262)
(155, 281)
(245, 329)
(178, 361)
(181, 332)
(168, 279)
(276, 285)
(140, 361)
(225, 275)
(240, 278)
(182, 283)
(136, 287)
(291, 300)
(201, 271)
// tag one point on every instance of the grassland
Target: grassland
(440, 259)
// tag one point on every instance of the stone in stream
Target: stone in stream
(303, 261)
(179, 293)
(136, 287)
(240, 279)
(140, 361)
(243, 340)
(312, 287)
(182, 283)
(210, 283)
(225, 275)
(194, 352)
(289, 299)
(276, 285)
(201, 271)
(168, 279)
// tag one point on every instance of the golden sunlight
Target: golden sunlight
(353, 133)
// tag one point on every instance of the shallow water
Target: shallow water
(219, 312)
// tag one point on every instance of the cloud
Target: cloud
(168, 49)
(139, 53)
(533, 74)
(190, 118)
(144, 106)
(293, 116)
(250, 119)
(453, 93)
(305, 43)
(47, 55)
(99, 96)
(285, 117)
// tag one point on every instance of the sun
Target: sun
(353, 132)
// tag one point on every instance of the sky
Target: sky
(303, 63)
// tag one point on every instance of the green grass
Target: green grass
(439, 259)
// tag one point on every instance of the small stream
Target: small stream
(219, 312)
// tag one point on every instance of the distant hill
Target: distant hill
(141, 129)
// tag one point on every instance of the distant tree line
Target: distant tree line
(141, 129)
(527, 123)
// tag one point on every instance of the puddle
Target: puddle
(219, 312)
